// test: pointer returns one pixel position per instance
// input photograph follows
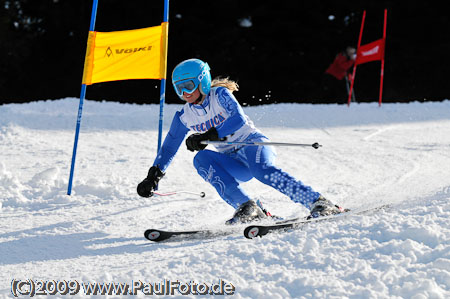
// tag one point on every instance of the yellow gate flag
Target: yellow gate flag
(128, 54)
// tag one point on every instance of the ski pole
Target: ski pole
(314, 145)
(201, 194)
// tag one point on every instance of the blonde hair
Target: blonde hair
(225, 82)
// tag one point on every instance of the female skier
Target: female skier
(213, 113)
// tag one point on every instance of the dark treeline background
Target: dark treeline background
(280, 57)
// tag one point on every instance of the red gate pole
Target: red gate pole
(354, 67)
(382, 58)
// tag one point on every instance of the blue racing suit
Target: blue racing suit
(229, 165)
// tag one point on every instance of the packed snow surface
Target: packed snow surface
(396, 154)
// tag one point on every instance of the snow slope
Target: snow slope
(397, 154)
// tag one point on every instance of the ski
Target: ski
(253, 231)
(157, 235)
(250, 232)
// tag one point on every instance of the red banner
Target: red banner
(370, 52)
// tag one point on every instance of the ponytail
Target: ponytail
(225, 82)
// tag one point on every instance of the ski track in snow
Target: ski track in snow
(398, 154)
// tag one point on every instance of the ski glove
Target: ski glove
(193, 142)
(148, 185)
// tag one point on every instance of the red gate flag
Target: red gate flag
(370, 52)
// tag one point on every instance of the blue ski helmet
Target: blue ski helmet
(190, 74)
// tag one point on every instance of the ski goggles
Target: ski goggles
(188, 86)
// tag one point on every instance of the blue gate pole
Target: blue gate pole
(162, 96)
(80, 107)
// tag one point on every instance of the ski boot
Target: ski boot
(323, 207)
(249, 211)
